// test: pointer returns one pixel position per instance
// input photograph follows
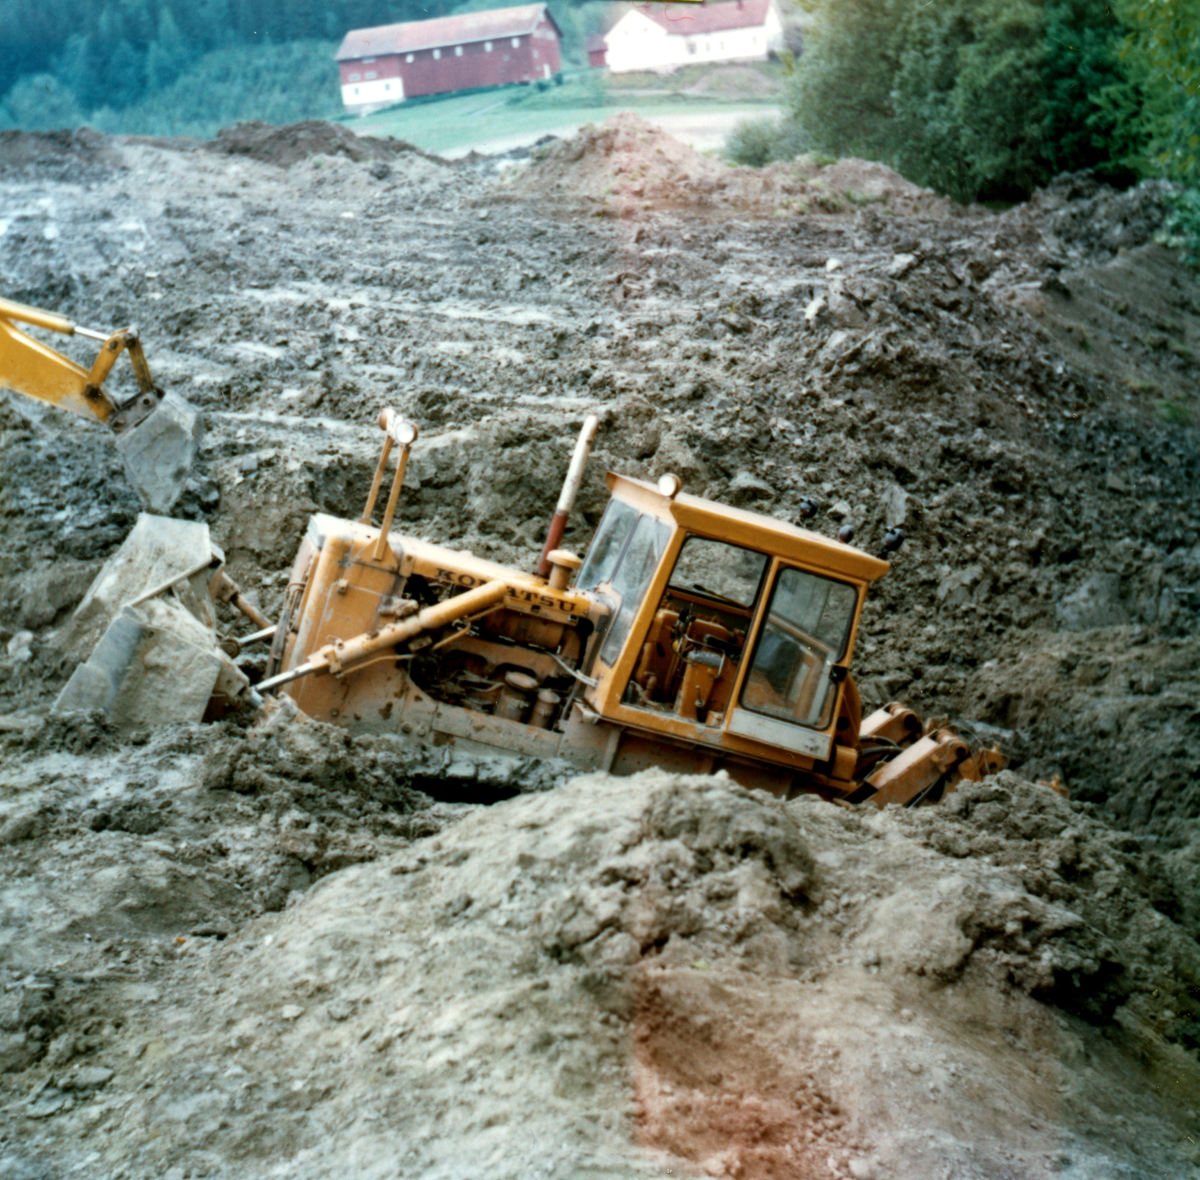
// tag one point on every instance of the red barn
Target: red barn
(390, 63)
(596, 51)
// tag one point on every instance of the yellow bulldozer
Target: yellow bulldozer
(692, 636)
(156, 433)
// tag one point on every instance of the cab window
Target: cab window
(718, 570)
(605, 551)
(632, 578)
(690, 654)
(807, 627)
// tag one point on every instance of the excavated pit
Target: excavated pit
(232, 950)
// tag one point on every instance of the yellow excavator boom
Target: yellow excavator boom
(38, 371)
(157, 433)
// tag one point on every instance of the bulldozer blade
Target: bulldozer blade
(156, 664)
(160, 450)
(158, 554)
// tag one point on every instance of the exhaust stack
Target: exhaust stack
(566, 499)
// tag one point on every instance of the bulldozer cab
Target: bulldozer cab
(724, 627)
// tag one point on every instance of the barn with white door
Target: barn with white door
(387, 64)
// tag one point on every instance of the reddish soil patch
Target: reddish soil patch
(706, 1091)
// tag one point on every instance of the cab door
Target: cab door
(787, 695)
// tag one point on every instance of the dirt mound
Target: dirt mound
(861, 177)
(1090, 221)
(290, 144)
(57, 154)
(1085, 927)
(625, 166)
(625, 976)
(622, 160)
(1113, 712)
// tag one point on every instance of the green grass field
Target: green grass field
(459, 120)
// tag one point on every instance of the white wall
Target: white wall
(378, 92)
(774, 28)
(636, 43)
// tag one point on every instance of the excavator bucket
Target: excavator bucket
(159, 451)
(157, 434)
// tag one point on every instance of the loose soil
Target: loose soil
(238, 950)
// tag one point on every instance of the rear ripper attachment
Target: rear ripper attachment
(694, 636)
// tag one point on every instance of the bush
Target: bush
(1154, 108)
(757, 142)
(1157, 100)
(751, 142)
(1181, 226)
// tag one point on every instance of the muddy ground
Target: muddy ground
(237, 951)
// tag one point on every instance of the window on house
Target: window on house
(516, 42)
(387, 86)
(367, 61)
(356, 77)
(437, 53)
(356, 90)
(408, 57)
(458, 51)
(371, 74)
(487, 47)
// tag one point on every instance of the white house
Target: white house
(685, 34)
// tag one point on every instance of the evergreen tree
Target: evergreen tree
(81, 69)
(206, 24)
(168, 55)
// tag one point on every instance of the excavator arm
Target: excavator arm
(157, 434)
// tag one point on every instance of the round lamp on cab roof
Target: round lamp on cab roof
(669, 485)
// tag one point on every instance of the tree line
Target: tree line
(989, 99)
(109, 53)
(993, 97)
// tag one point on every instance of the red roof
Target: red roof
(446, 30)
(711, 18)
